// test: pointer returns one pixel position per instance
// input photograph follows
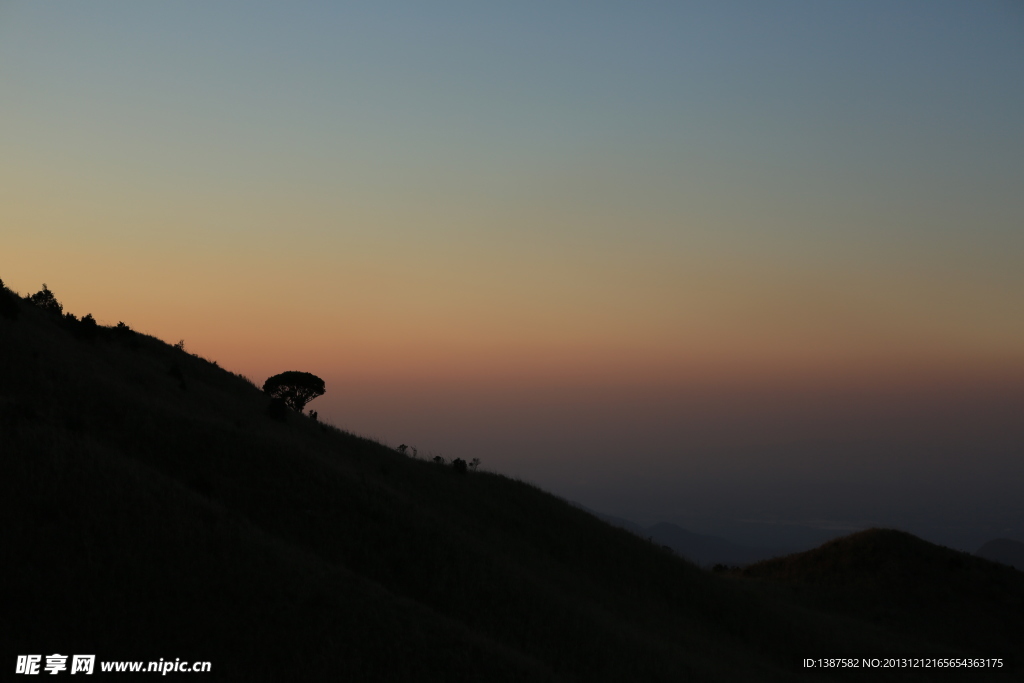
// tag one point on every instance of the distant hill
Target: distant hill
(616, 521)
(1004, 550)
(706, 550)
(898, 580)
(701, 549)
(151, 509)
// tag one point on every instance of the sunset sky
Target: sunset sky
(734, 264)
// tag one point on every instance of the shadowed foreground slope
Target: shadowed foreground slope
(150, 509)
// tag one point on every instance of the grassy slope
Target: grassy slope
(150, 509)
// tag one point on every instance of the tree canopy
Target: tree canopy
(295, 388)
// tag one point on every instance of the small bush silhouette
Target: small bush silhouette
(87, 327)
(402, 449)
(46, 300)
(127, 335)
(459, 465)
(295, 388)
(439, 460)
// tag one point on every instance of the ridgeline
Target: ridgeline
(152, 509)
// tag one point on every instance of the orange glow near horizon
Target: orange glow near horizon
(553, 342)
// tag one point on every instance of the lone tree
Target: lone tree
(295, 388)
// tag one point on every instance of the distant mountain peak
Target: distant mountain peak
(1004, 550)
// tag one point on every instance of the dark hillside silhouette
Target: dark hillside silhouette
(149, 509)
